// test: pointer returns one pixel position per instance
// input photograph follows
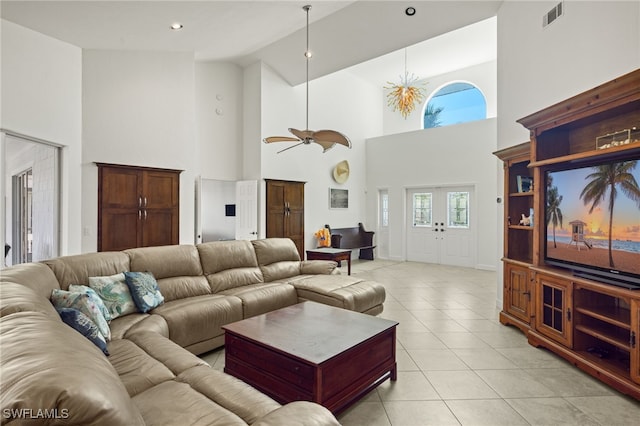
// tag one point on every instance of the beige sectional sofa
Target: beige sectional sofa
(152, 376)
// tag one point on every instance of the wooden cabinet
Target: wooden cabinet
(518, 239)
(591, 324)
(554, 308)
(517, 295)
(137, 207)
(285, 211)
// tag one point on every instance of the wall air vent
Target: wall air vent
(553, 14)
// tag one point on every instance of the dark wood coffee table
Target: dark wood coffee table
(312, 352)
(328, 253)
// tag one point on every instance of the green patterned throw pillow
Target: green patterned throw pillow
(80, 301)
(115, 294)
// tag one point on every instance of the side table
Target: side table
(328, 253)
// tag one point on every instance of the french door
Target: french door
(441, 225)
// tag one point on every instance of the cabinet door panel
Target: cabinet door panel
(123, 231)
(554, 308)
(517, 295)
(121, 189)
(159, 228)
(160, 190)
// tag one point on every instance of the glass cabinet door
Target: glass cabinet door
(553, 308)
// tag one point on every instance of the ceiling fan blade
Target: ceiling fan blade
(289, 147)
(332, 136)
(326, 145)
(302, 134)
(280, 139)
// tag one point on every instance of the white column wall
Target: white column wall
(42, 98)
(138, 109)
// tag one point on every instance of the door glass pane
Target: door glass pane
(422, 209)
(458, 209)
(384, 208)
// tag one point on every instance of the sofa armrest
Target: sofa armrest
(299, 413)
(318, 267)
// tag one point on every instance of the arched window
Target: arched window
(455, 103)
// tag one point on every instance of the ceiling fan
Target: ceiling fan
(327, 139)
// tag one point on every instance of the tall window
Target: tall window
(422, 209)
(453, 104)
(384, 208)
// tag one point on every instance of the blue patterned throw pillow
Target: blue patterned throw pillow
(144, 290)
(115, 294)
(83, 324)
(93, 297)
(82, 302)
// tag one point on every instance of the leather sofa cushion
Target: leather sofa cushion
(278, 258)
(342, 291)
(299, 413)
(137, 370)
(229, 264)
(174, 402)
(166, 261)
(229, 392)
(173, 288)
(36, 276)
(164, 350)
(18, 298)
(121, 327)
(199, 318)
(261, 298)
(49, 366)
(77, 269)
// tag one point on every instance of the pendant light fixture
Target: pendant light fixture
(405, 95)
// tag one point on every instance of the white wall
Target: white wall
(218, 109)
(340, 102)
(138, 109)
(41, 98)
(459, 154)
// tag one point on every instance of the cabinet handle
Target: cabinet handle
(139, 214)
(568, 314)
(145, 202)
(140, 201)
(145, 215)
(632, 339)
(527, 293)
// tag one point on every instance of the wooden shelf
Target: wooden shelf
(605, 336)
(521, 227)
(587, 155)
(521, 194)
(617, 367)
(615, 316)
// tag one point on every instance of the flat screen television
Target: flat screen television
(592, 213)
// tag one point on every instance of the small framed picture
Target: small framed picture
(338, 198)
(524, 183)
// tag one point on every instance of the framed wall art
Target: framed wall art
(338, 198)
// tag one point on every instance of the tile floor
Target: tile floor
(457, 365)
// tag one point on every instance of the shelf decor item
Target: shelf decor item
(610, 140)
(525, 183)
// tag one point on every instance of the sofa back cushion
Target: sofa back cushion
(278, 258)
(77, 269)
(47, 365)
(19, 298)
(229, 264)
(36, 276)
(177, 269)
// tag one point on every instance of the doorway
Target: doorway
(441, 225)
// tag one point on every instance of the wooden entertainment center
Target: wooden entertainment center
(593, 325)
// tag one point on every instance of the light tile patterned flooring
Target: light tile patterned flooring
(457, 365)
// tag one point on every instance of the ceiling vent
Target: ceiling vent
(553, 14)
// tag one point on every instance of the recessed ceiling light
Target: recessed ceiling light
(176, 26)
(410, 11)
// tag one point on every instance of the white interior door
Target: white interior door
(247, 210)
(439, 225)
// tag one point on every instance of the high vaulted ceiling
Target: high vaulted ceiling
(342, 33)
